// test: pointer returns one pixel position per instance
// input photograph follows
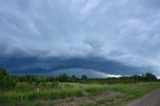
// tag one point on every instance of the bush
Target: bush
(63, 77)
(6, 82)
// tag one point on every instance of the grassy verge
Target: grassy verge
(25, 94)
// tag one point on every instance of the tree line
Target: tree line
(9, 81)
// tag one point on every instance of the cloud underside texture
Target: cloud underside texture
(125, 31)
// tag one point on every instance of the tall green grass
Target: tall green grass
(25, 93)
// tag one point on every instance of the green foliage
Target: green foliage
(101, 101)
(3, 72)
(6, 82)
(63, 77)
(24, 86)
(23, 89)
(54, 84)
(26, 92)
(150, 77)
(95, 90)
(9, 82)
(74, 78)
(84, 77)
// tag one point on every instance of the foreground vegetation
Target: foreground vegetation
(27, 94)
(40, 91)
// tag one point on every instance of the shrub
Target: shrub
(6, 82)
(63, 77)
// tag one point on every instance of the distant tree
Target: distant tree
(50, 79)
(74, 78)
(138, 77)
(6, 82)
(63, 77)
(84, 77)
(150, 77)
(39, 79)
(3, 72)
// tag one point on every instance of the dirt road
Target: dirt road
(152, 99)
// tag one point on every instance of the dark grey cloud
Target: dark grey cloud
(151, 3)
(121, 30)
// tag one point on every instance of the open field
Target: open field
(74, 94)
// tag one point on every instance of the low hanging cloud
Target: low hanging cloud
(126, 31)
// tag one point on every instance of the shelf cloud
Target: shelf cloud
(126, 31)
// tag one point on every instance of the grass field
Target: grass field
(74, 94)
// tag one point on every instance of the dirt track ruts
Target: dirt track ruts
(152, 99)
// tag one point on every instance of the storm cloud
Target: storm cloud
(126, 31)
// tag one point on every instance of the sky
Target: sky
(125, 31)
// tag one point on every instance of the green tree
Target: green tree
(84, 77)
(150, 77)
(3, 72)
(74, 78)
(6, 82)
(63, 77)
